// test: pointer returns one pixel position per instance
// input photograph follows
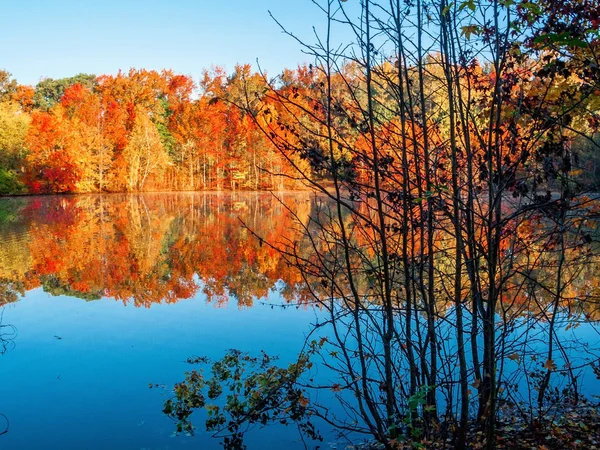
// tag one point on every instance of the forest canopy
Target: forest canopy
(144, 130)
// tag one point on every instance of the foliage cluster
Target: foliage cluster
(242, 391)
(136, 131)
(147, 130)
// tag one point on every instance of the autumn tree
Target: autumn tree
(13, 128)
(144, 154)
(52, 162)
(8, 85)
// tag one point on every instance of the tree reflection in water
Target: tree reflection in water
(150, 248)
(236, 248)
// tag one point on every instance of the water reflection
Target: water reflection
(82, 365)
(8, 333)
(157, 249)
(151, 248)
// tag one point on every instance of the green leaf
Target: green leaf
(532, 8)
(468, 4)
(574, 42)
(561, 39)
(447, 9)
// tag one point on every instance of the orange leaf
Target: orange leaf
(550, 365)
(515, 357)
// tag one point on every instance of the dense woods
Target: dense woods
(145, 130)
(136, 131)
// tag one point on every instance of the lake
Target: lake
(104, 297)
(109, 294)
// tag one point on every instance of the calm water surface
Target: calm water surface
(111, 293)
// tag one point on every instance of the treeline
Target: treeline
(137, 131)
(146, 130)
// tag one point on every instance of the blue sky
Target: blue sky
(60, 38)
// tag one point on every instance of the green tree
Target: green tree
(8, 85)
(48, 92)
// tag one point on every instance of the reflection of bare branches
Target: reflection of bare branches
(8, 333)
(4, 429)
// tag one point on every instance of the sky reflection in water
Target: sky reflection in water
(113, 293)
(79, 374)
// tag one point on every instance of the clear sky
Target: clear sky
(60, 38)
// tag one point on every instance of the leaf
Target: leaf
(549, 364)
(468, 30)
(468, 4)
(515, 357)
(532, 7)
(447, 9)
(540, 39)
(561, 39)
(574, 42)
